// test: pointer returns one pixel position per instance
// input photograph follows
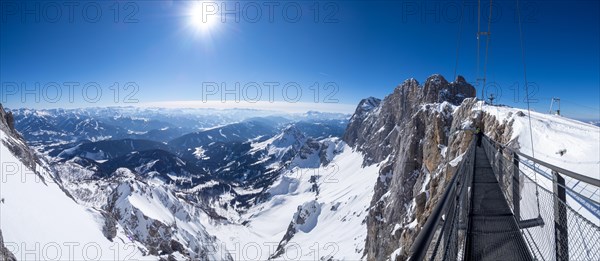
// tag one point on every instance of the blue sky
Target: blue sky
(347, 50)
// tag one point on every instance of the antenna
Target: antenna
(492, 97)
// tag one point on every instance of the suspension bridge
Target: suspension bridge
(504, 205)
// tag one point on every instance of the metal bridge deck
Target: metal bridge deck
(494, 233)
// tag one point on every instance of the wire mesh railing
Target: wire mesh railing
(582, 239)
(444, 235)
(556, 209)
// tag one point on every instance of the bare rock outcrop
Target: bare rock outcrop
(304, 220)
(5, 254)
(408, 133)
(414, 134)
(16, 144)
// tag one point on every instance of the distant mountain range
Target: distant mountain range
(180, 148)
(256, 185)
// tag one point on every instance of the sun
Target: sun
(202, 16)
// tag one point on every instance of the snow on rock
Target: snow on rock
(199, 153)
(284, 185)
(307, 216)
(152, 206)
(332, 220)
(456, 160)
(291, 139)
(70, 231)
(154, 216)
(395, 254)
(369, 103)
(124, 217)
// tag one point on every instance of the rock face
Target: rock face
(411, 134)
(305, 219)
(352, 136)
(374, 129)
(7, 121)
(5, 254)
(159, 233)
(16, 143)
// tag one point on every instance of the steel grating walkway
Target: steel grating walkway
(493, 233)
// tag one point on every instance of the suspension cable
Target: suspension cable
(478, 43)
(460, 28)
(537, 193)
(487, 47)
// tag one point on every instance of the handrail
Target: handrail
(435, 226)
(569, 189)
(585, 201)
(565, 172)
(566, 243)
(421, 244)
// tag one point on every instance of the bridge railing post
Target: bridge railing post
(516, 194)
(500, 168)
(561, 235)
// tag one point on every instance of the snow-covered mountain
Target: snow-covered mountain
(36, 213)
(313, 186)
(153, 194)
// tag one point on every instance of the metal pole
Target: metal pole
(561, 235)
(516, 197)
(500, 168)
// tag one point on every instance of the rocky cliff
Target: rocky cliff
(7, 126)
(5, 254)
(14, 141)
(412, 135)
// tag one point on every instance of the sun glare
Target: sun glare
(202, 17)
